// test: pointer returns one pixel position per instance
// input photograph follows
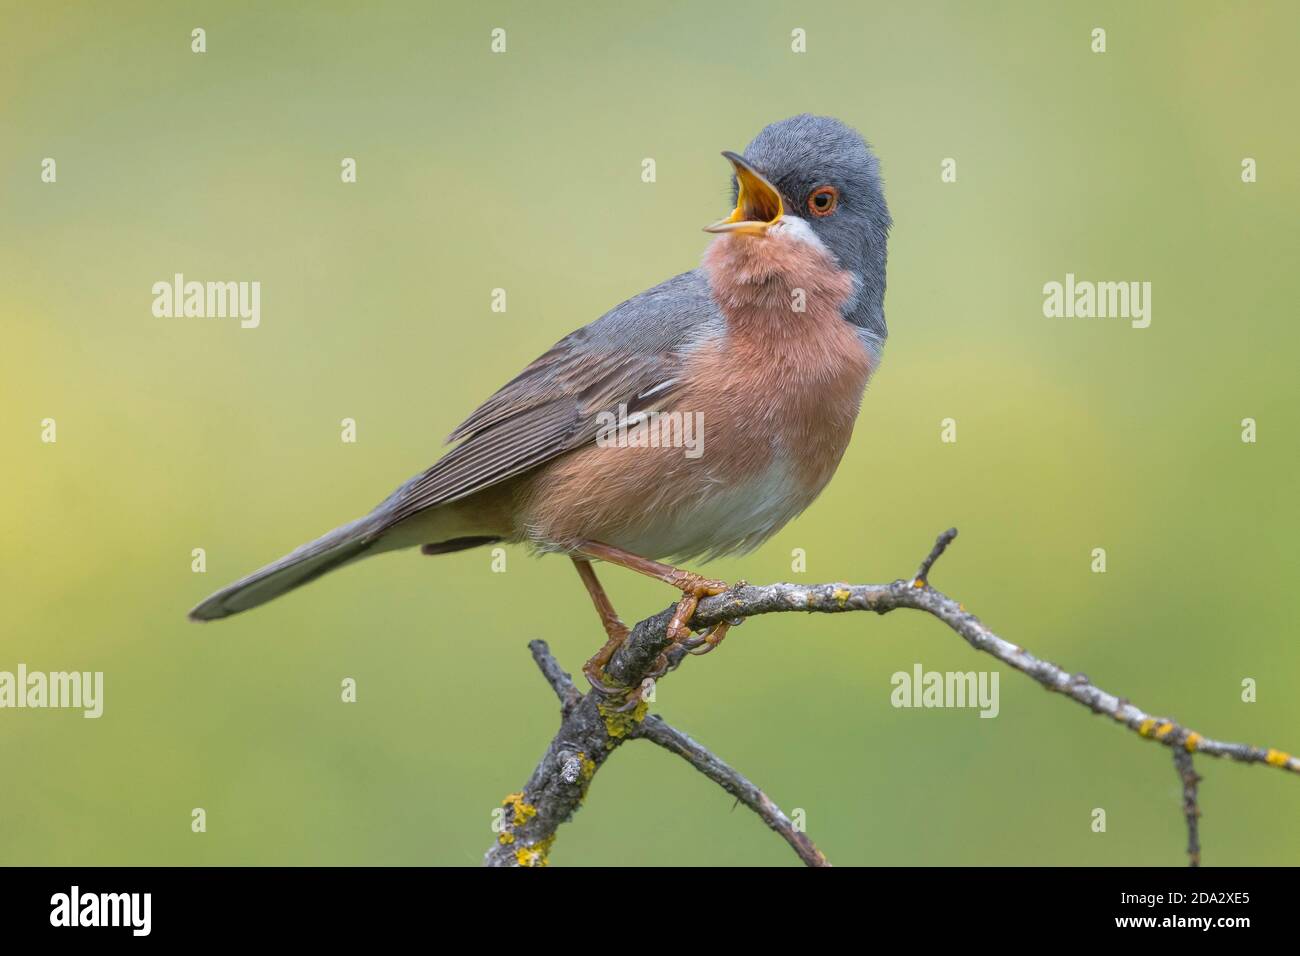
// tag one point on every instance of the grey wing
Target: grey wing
(629, 356)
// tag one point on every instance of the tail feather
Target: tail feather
(299, 567)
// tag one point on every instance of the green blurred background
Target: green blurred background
(522, 171)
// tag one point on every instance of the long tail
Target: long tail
(340, 546)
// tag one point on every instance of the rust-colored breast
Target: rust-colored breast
(792, 367)
(776, 397)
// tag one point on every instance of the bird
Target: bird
(768, 346)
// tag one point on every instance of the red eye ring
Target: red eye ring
(823, 200)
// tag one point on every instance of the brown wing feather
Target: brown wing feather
(629, 356)
(549, 409)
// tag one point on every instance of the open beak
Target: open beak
(758, 205)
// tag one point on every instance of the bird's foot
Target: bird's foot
(693, 587)
(594, 669)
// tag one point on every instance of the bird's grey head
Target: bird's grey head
(828, 178)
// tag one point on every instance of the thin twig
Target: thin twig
(556, 676)
(940, 546)
(656, 729)
(1191, 809)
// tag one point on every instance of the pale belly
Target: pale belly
(702, 516)
(661, 503)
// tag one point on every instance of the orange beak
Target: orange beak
(758, 204)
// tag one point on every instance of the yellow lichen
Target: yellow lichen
(621, 724)
(524, 811)
(536, 854)
(1277, 758)
(841, 596)
(1192, 740)
(506, 837)
(1145, 728)
(1163, 730)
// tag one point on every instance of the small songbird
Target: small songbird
(766, 348)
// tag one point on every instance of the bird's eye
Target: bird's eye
(822, 200)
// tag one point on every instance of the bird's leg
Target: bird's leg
(615, 630)
(693, 586)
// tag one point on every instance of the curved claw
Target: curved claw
(599, 686)
(659, 669)
(633, 699)
(710, 640)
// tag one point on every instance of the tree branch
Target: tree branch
(1191, 809)
(591, 729)
(656, 729)
(556, 676)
